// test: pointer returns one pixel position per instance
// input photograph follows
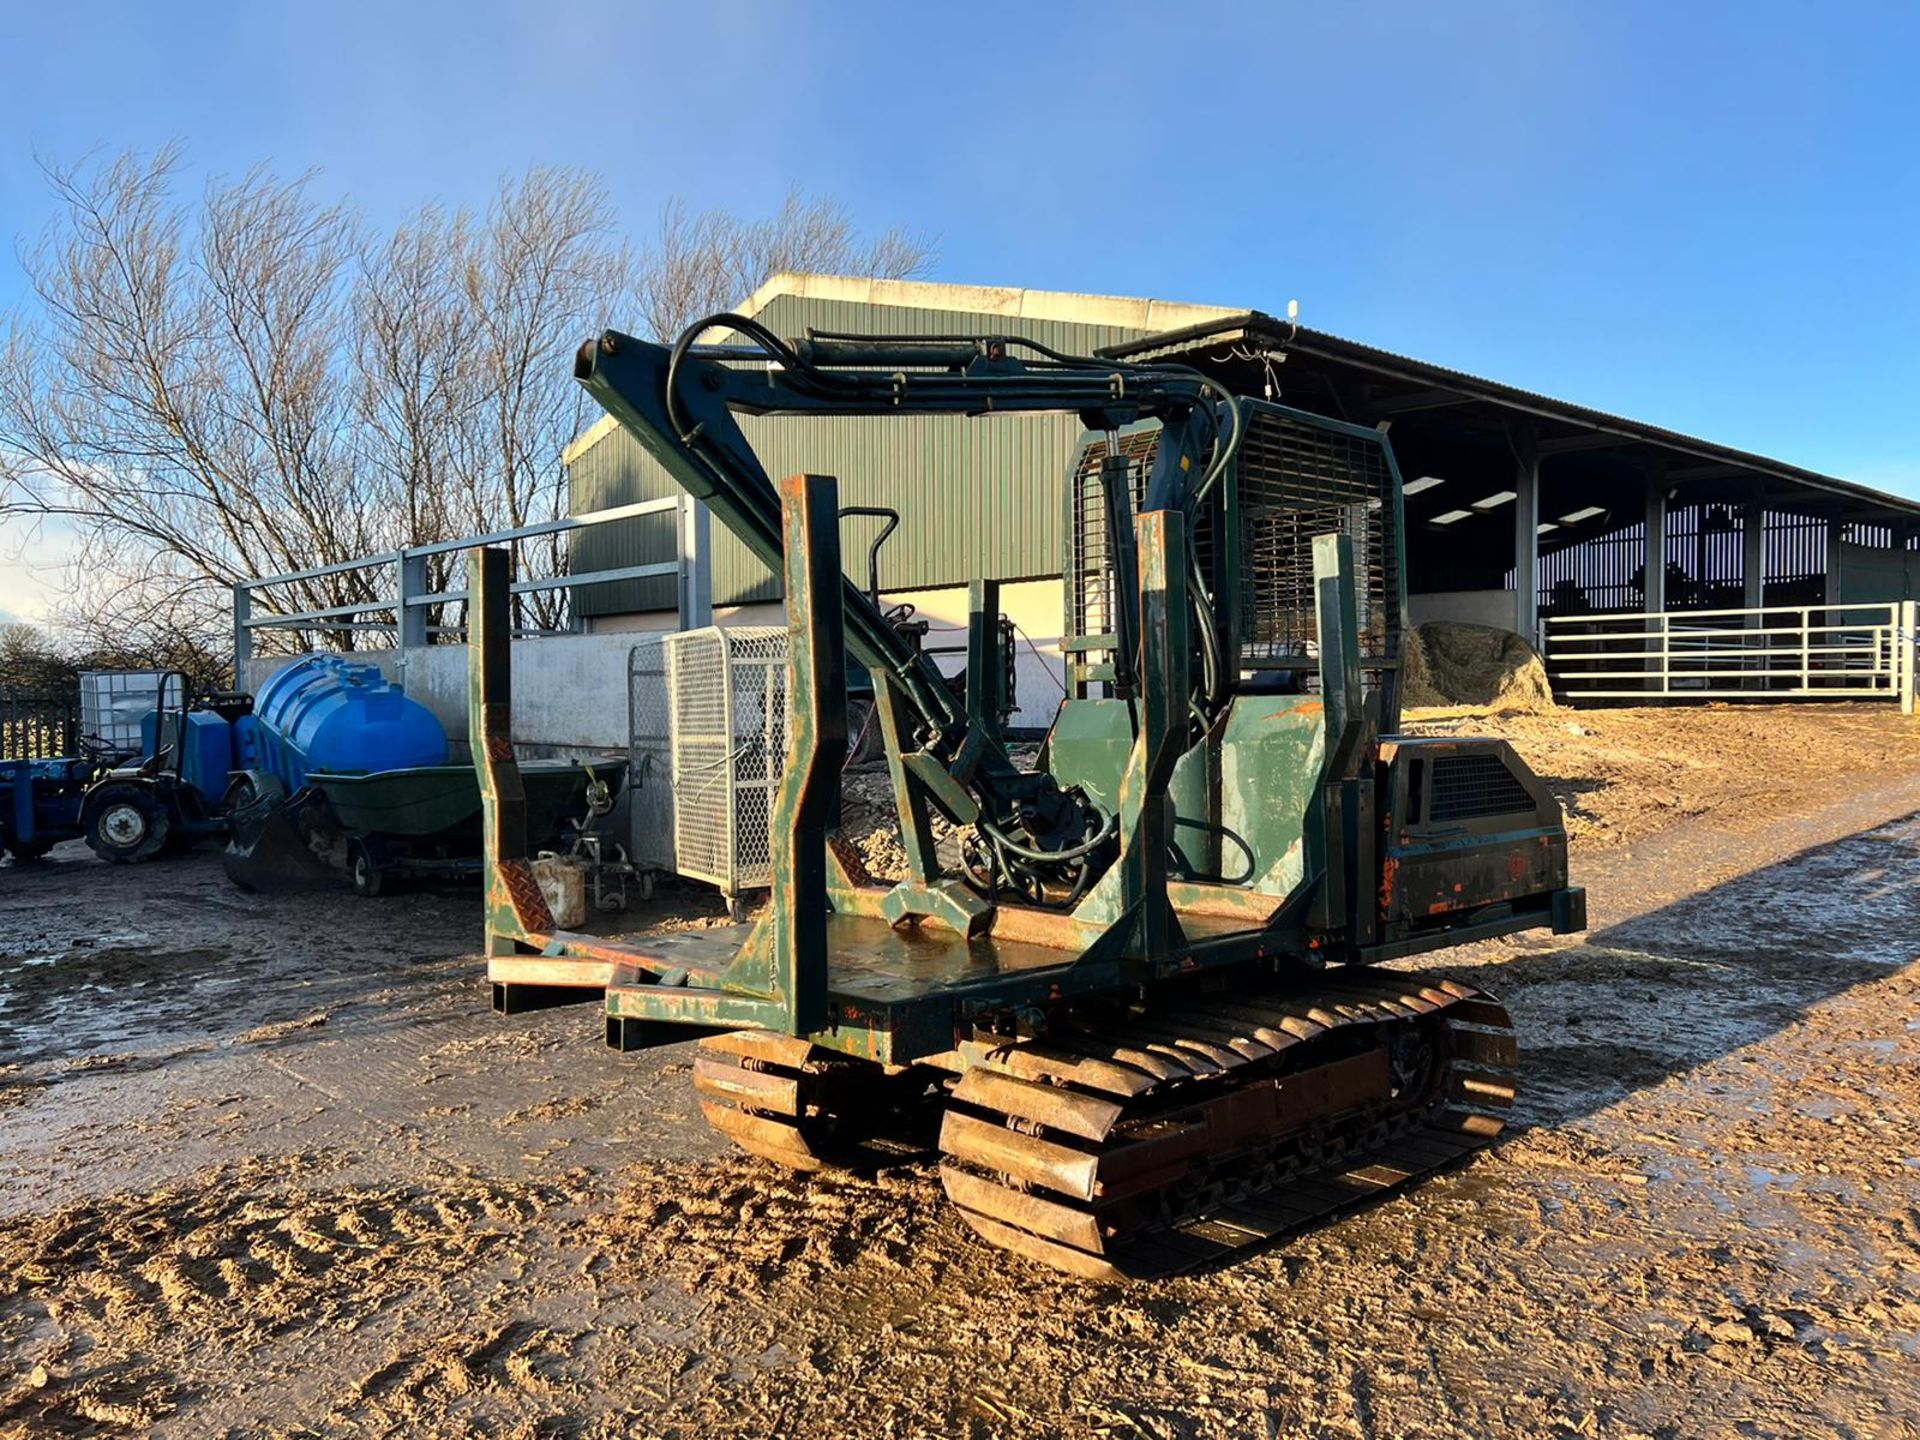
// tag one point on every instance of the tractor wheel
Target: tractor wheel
(128, 824)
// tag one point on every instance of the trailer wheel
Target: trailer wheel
(367, 879)
(127, 824)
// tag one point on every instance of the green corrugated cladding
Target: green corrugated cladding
(977, 498)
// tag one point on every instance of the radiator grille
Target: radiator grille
(1470, 787)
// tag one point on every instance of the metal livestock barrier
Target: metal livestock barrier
(397, 605)
(37, 725)
(1776, 652)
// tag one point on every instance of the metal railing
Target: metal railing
(1778, 652)
(38, 726)
(403, 615)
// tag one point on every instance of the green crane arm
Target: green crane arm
(681, 401)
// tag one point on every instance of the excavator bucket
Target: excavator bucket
(275, 846)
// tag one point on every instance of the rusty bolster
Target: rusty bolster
(1024, 1157)
(1044, 927)
(583, 949)
(1047, 1218)
(683, 1005)
(547, 970)
(1227, 902)
(761, 1089)
(1086, 1116)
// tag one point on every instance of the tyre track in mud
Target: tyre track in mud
(1707, 1225)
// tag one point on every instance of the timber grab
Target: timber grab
(1125, 1002)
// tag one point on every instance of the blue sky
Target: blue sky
(1706, 216)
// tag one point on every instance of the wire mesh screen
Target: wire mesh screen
(1298, 480)
(1467, 787)
(650, 755)
(727, 697)
(1089, 553)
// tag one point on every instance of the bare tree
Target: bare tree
(701, 264)
(250, 384)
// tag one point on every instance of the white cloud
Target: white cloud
(33, 559)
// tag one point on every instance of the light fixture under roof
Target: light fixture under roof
(1451, 516)
(1425, 482)
(1546, 525)
(1495, 500)
(1586, 512)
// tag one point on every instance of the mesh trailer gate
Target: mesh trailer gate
(708, 742)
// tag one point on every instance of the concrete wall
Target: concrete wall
(1498, 608)
(569, 691)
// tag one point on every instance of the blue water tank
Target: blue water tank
(326, 712)
(209, 752)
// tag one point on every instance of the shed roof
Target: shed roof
(1380, 383)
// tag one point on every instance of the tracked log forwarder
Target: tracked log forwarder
(1148, 997)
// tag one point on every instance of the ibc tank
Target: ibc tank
(326, 712)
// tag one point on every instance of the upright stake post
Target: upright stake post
(516, 910)
(1163, 688)
(808, 802)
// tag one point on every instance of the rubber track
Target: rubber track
(1212, 1125)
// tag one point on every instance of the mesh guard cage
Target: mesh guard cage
(1298, 480)
(715, 703)
(1298, 477)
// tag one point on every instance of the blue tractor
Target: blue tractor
(179, 789)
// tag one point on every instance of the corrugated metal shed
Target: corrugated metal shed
(976, 498)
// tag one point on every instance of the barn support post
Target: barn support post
(1654, 577)
(1753, 557)
(1833, 590)
(695, 532)
(1526, 536)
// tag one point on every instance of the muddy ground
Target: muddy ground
(269, 1167)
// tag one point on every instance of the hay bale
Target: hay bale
(1416, 675)
(1483, 665)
